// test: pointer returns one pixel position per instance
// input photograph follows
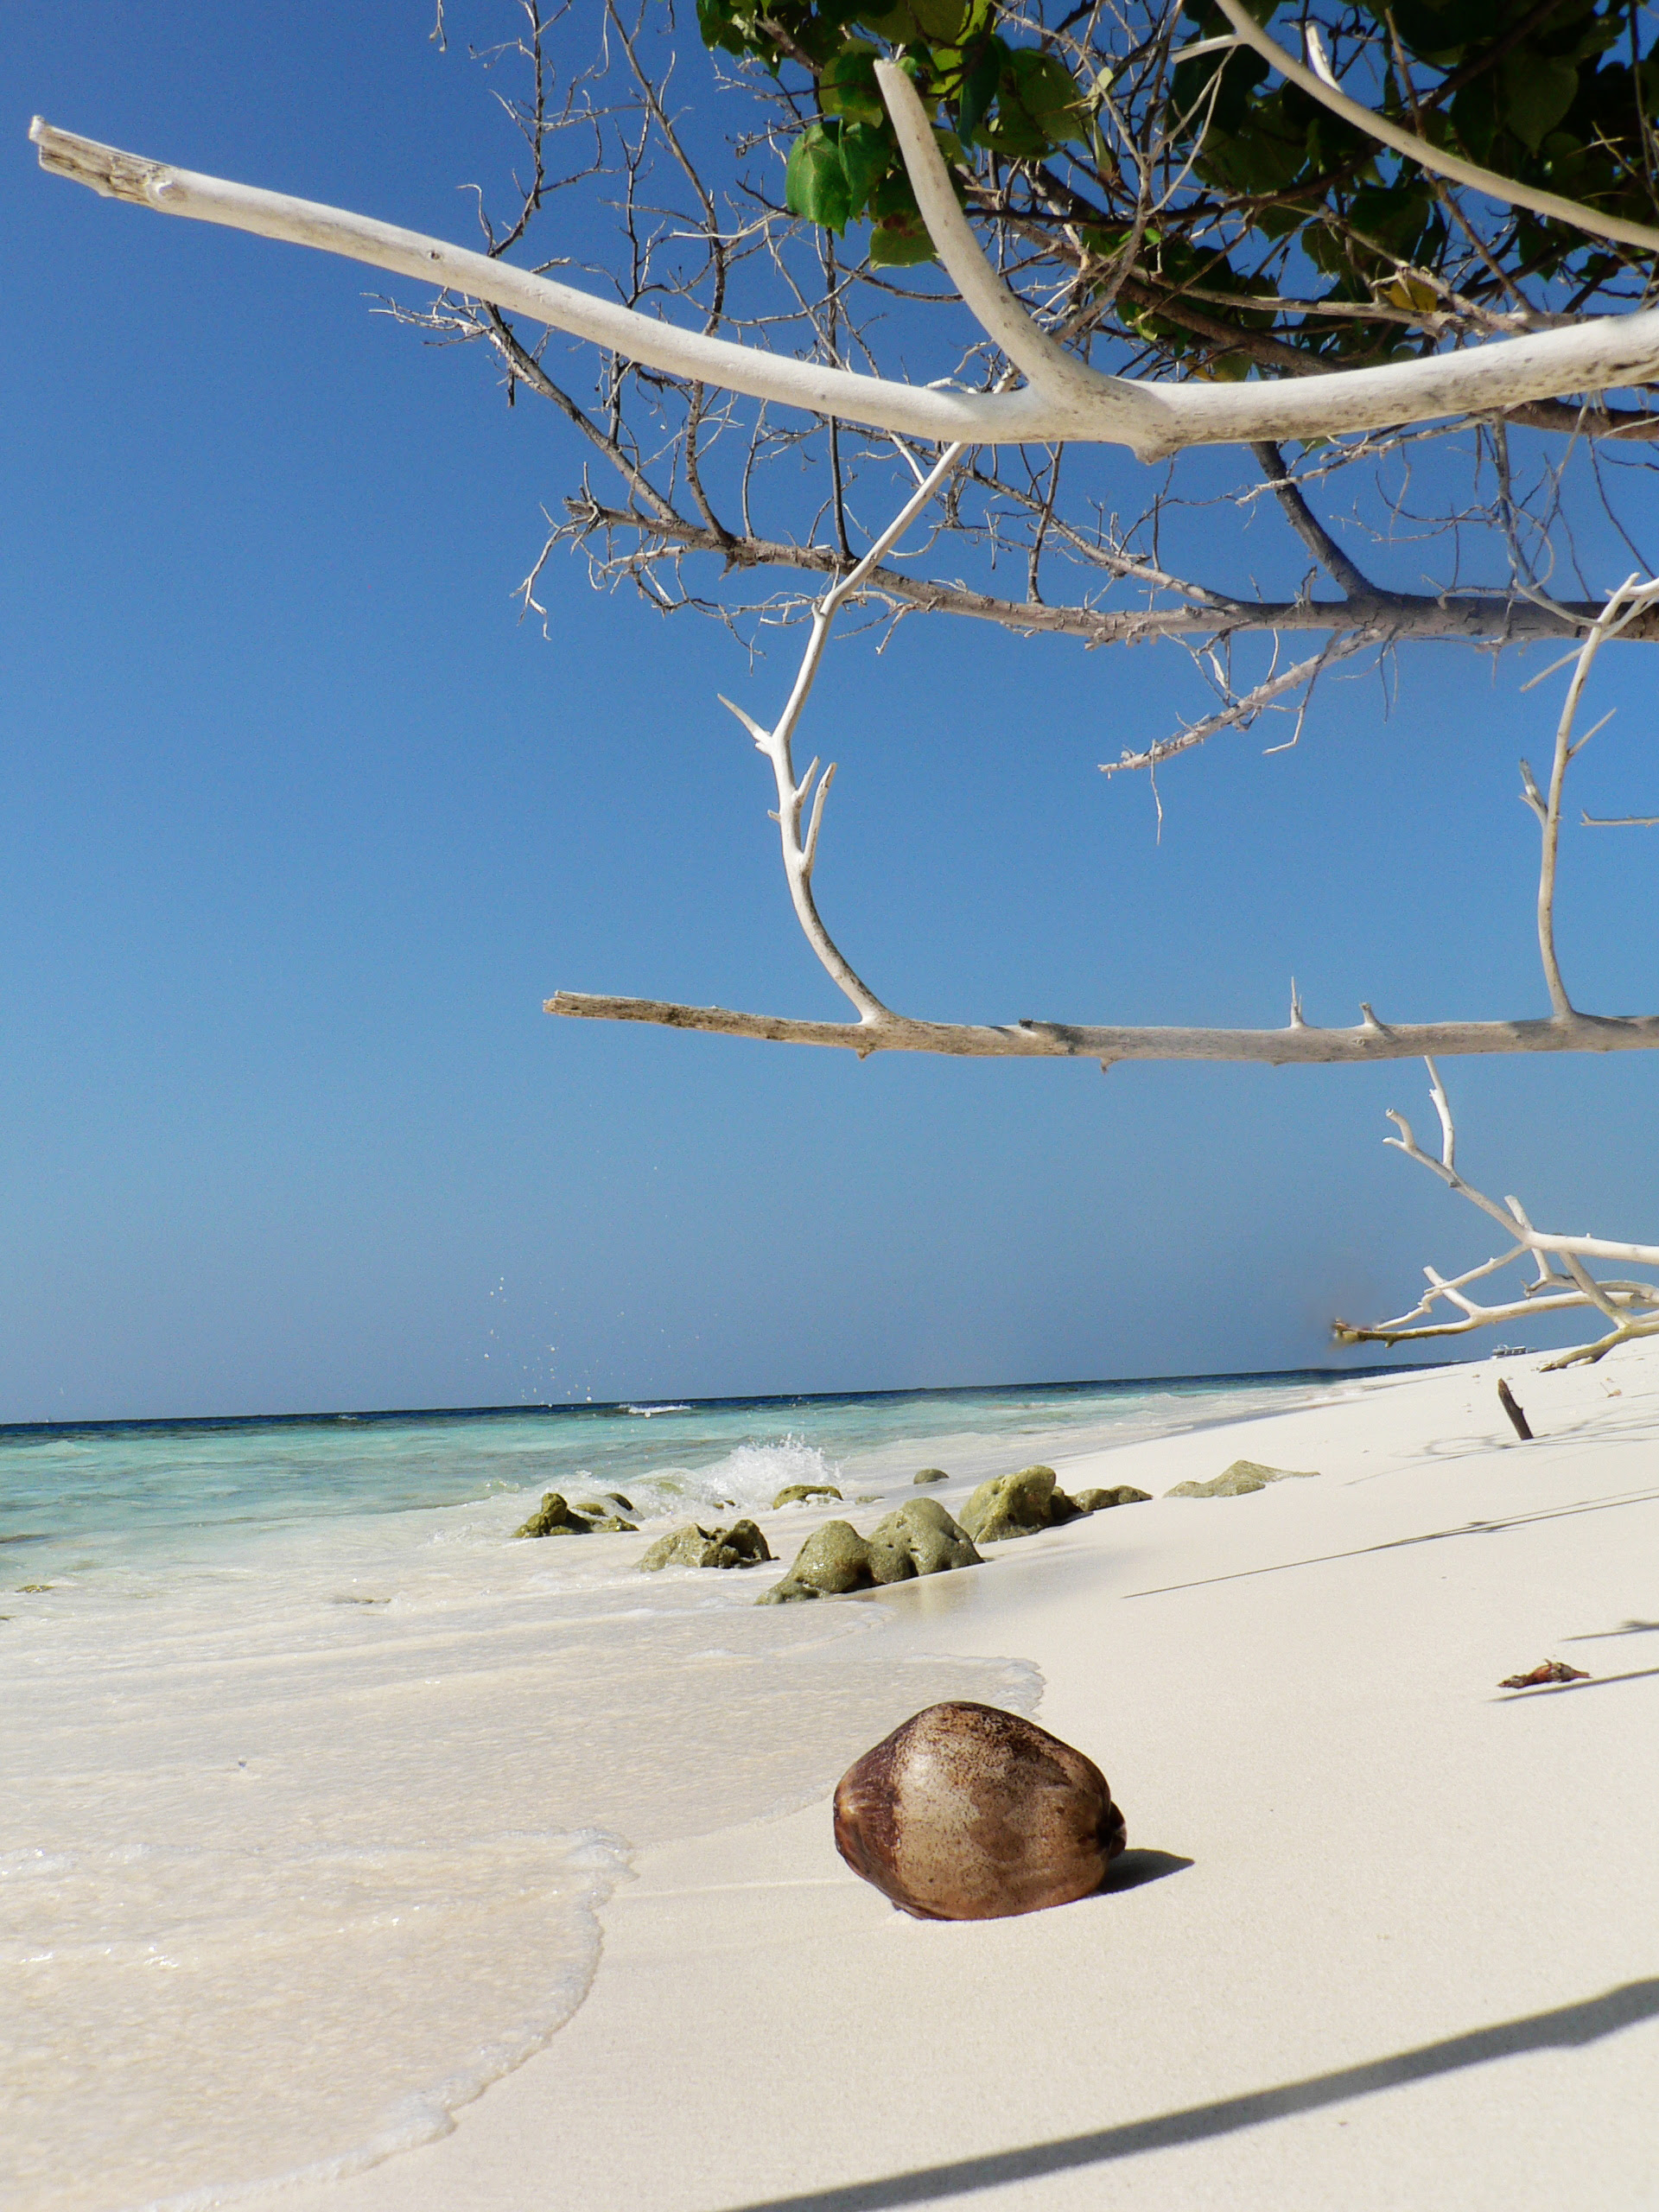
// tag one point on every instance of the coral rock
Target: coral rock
(798, 1493)
(554, 1518)
(929, 1475)
(788, 1592)
(1097, 1501)
(920, 1538)
(967, 1813)
(1241, 1479)
(1017, 1505)
(741, 1545)
(834, 1560)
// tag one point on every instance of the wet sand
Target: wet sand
(1385, 1935)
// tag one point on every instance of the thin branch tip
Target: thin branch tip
(1064, 398)
(1631, 1306)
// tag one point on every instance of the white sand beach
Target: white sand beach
(1386, 1933)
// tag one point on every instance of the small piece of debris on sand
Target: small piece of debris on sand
(1547, 1670)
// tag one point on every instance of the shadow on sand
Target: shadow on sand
(1133, 1870)
(1405, 1543)
(1563, 2029)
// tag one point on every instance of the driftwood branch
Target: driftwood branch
(1632, 1306)
(1300, 1045)
(1073, 402)
(1404, 617)
(880, 1029)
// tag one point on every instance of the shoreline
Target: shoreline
(647, 1408)
(1361, 1948)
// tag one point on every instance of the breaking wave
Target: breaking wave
(748, 1478)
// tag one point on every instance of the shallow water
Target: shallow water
(313, 1780)
(88, 1497)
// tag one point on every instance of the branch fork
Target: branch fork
(1064, 400)
(879, 1028)
(1631, 1306)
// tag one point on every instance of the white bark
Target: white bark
(1298, 1045)
(880, 1029)
(800, 853)
(1632, 1307)
(1626, 606)
(1320, 84)
(1070, 403)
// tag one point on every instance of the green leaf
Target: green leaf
(727, 25)
(979, 84)
(898, 23)
(815, 183)
(1395, 215)
(1439, 30)
(895, 196)
(1047, 90)
(1240, 72)
(1042, 82)
(900, 243)
(1323, 249)
(1474, 118)
(866, 155)
(1226, 368)
(847, 86)
(943, 21)
(1533, 94)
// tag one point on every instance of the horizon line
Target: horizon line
(651, 1408)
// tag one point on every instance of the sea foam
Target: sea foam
(747, 1479)
(317, 1781)
(304, 1845)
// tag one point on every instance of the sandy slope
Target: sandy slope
(1414, 1960)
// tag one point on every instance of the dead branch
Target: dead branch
(1063, 400)
(879, 1028)
(1631, 1306)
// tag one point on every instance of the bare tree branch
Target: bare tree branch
(1240, 712)
(1468, 616)
(1346, 575)
(1631, 1306)
(1072, 403)
(1632, 598)
(879, 1028)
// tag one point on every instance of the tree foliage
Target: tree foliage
(1164, 205)
(1052, 119)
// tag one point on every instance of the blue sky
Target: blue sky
(300, 825)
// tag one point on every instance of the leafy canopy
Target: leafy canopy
(1067, 134)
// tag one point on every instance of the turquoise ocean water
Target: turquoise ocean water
(100, 1496)
(313, 1781)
